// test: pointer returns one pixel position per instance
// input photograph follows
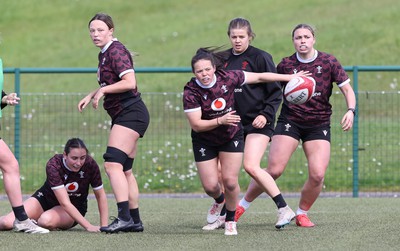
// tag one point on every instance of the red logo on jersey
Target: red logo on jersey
(219, 104)
(72, 187)
(244, 65)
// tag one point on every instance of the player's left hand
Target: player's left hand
(259, 122)
(347, 121)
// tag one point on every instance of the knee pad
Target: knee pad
(128, 164)
(115, 155)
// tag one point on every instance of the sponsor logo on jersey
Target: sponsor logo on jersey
(316, 94)
(218, 104)
(72, 187)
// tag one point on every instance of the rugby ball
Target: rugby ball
(299, 90)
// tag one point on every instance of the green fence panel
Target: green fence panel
(364, 162)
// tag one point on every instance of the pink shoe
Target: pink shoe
(302, 220)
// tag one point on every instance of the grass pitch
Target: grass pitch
(175, 224)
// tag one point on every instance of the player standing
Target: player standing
(130, 119)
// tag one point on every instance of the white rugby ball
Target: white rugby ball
(299, 90)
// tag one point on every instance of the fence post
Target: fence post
(355, 136)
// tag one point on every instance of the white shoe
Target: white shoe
(230, 228)
(29, 226)
(214, 212)
(220, 223)
(285, 216)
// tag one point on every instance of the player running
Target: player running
(309, 122)
(217, 134)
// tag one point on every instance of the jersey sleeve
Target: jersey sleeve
(339, 75)
(274, 99)
(121, 61)
(190, 100)
(96, 181)
(53, 176)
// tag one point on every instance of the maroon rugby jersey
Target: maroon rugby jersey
(114, 62)
(76, 183)
(214, 101)
(325, 69)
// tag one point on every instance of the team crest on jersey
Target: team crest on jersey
(72, 187)
(219, 104)
(319, 68)
(81, 173)
(104, 60)
(224, 89)
(205, 96)
(244, 65)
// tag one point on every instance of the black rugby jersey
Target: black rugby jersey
(255, 99)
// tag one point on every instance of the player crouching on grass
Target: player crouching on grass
(61, 203)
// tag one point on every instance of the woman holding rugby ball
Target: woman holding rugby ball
(308, 122)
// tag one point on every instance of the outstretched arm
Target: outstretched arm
(102, 205)
(65, 203)
(263, 77)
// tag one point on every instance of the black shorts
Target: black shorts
(135, 117)
(303, 133)
(40, 195)
(203, 151)
(267, 130)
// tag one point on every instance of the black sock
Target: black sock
(123, 211)
(220, 199)
(134, 212)
(279, 201)
(230, 215)
(223, 211)
(20, 213)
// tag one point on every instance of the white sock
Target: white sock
(244, 203)
(300, 211)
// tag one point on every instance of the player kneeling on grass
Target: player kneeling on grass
(61, 203)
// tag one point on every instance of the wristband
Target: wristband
(353, 110)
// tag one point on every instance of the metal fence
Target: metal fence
(364, 162)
